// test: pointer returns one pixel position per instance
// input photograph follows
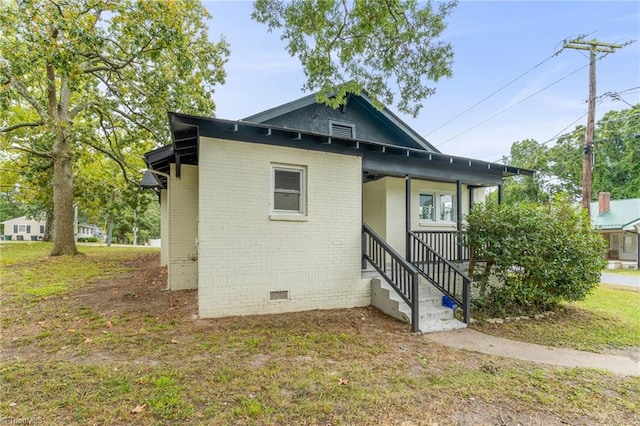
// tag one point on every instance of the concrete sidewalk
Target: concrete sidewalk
(632, 281)
(475, 341)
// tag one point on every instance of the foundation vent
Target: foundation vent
(278, 295)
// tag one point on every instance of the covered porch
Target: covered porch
(413, 221)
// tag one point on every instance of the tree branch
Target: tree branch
(32, 151)
(21, 125)
(22, 90)
(111, 66)
(121, 163)
(134, 121)
(65, 94)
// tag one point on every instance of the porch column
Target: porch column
(407, 212)
(458, 219)
(499, 194)
(638, 250)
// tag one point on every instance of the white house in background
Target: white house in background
(304, 207)
(24, 229)
(85, 230)
(619, 223)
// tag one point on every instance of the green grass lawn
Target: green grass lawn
(632, 272)
(609, 318)
(95, 339)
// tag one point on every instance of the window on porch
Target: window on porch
(436, 207)
(427, 210)
(627, 246)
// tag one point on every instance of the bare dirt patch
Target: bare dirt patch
(142, 292)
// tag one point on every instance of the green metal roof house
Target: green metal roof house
(619, 222)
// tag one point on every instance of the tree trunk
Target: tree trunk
(63, 240)
(49, 232)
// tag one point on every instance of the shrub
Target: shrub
(87, 240)
(539, 254)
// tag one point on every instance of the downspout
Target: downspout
(499, 194)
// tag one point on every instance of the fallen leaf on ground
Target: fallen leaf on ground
(138, 409)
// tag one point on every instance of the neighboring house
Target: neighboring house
(22, 229)
(297, 207)
(619, 222)
(85, 230)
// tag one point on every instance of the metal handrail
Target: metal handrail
(449, 244)
(441, 273)
(397, 271)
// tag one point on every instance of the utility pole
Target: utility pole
(593, 47)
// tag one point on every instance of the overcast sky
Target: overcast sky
(494, 43)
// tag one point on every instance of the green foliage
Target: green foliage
(85, 81)
(617, 154)
(378, 46)
(8, 210)
(87, 240)
(540, 254)
(559, 167)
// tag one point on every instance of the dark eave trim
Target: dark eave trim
(387, 159)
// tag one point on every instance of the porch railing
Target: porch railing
(441, 273)
(449, 244)
(397, 271)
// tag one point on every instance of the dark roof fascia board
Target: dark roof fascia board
(273, 135)
(274, 112)
(398, 166)
(158, 154)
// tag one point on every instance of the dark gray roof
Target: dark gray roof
(379, 159)
(149, 180)
(384, 115)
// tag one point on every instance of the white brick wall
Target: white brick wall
(243, 254)
(183, 228)
(164, 228)
(374, 201)
(384, 207)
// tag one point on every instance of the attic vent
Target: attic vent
(342, 130)
(279, 295)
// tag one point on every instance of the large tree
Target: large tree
(100, 74)
(387, 47)
(559, 167)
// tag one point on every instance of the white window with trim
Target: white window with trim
(342, 129)
(436, 206)
(288, 189)
(427, 208)
(627, 244)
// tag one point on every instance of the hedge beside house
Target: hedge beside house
(539, 254)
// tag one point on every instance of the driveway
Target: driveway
(621, 279)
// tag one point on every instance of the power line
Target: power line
(560, 134)
(494, 93)
(516, 104)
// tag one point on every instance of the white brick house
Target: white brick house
(266, 215)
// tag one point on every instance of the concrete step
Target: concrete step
(433, 316)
